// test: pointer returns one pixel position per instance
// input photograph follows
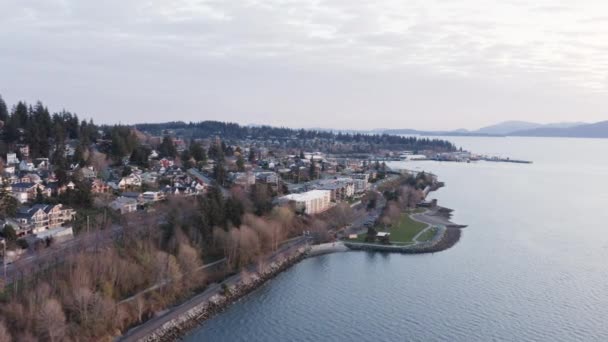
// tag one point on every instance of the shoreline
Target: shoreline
(204, 306)
(198, 310)
(439, 216)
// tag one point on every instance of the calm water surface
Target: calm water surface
(531, 266)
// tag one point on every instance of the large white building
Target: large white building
(311, 202)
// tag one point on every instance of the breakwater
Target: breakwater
(181, 325)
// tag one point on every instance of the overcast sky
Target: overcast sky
(339, 63)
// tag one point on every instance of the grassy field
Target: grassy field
(405, 230)
(402, 232)
(428, 235)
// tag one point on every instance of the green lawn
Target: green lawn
(401, 233)
(428, 235)
(405, 230)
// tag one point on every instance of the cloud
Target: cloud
(142, 55)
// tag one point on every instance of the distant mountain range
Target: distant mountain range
(508, 127)
(594, 130)
(520, 128)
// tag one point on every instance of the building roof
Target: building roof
(123, 201)
(307, 196)
(199, 176)
(131, 194)
(27, 212)
(23, 185)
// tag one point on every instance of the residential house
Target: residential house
(57, 190)
(153, 155)
(268, 177)
(24, 192)
(30, 178)
(11, 159)
(99, 187)
(134, 195)
(124, 205)
(245, 179)
(24, 165)
(130, 181)
(166, 163)
(9, 169)
(149, 178)
(152, 196)
(88, 173)
(199, 177)
(42, 163)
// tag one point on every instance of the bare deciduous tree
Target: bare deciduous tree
(5, 335)
(50, 321)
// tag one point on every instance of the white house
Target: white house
(124, 205)
(152, 196)
(26, 166)
(9, 169)
(11, 159)
(131, 180)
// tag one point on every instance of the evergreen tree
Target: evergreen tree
(8, 203)
(313, 169)
(186, 159)
(9, 233)
(20, 114)
(118, 148)
(39, 197)
(3, 110)
(261, 198)
(234, 211)
(216, 152)
(240, 163)
(60, 164)
(80, 154)
(167, 148)
(140, 155)
(219, 173)
(198, 152)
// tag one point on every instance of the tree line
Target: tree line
(207, 129)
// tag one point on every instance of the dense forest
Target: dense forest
(42, 131)
(206, 129)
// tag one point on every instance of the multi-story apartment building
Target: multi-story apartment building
(311, 202)
(41, 217)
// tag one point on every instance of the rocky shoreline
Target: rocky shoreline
(180, 326)
(184, 323)
(450, 235)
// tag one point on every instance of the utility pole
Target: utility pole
(4, 259)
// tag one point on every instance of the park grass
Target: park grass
(405, 229)
(428, 235)
(401, 233)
